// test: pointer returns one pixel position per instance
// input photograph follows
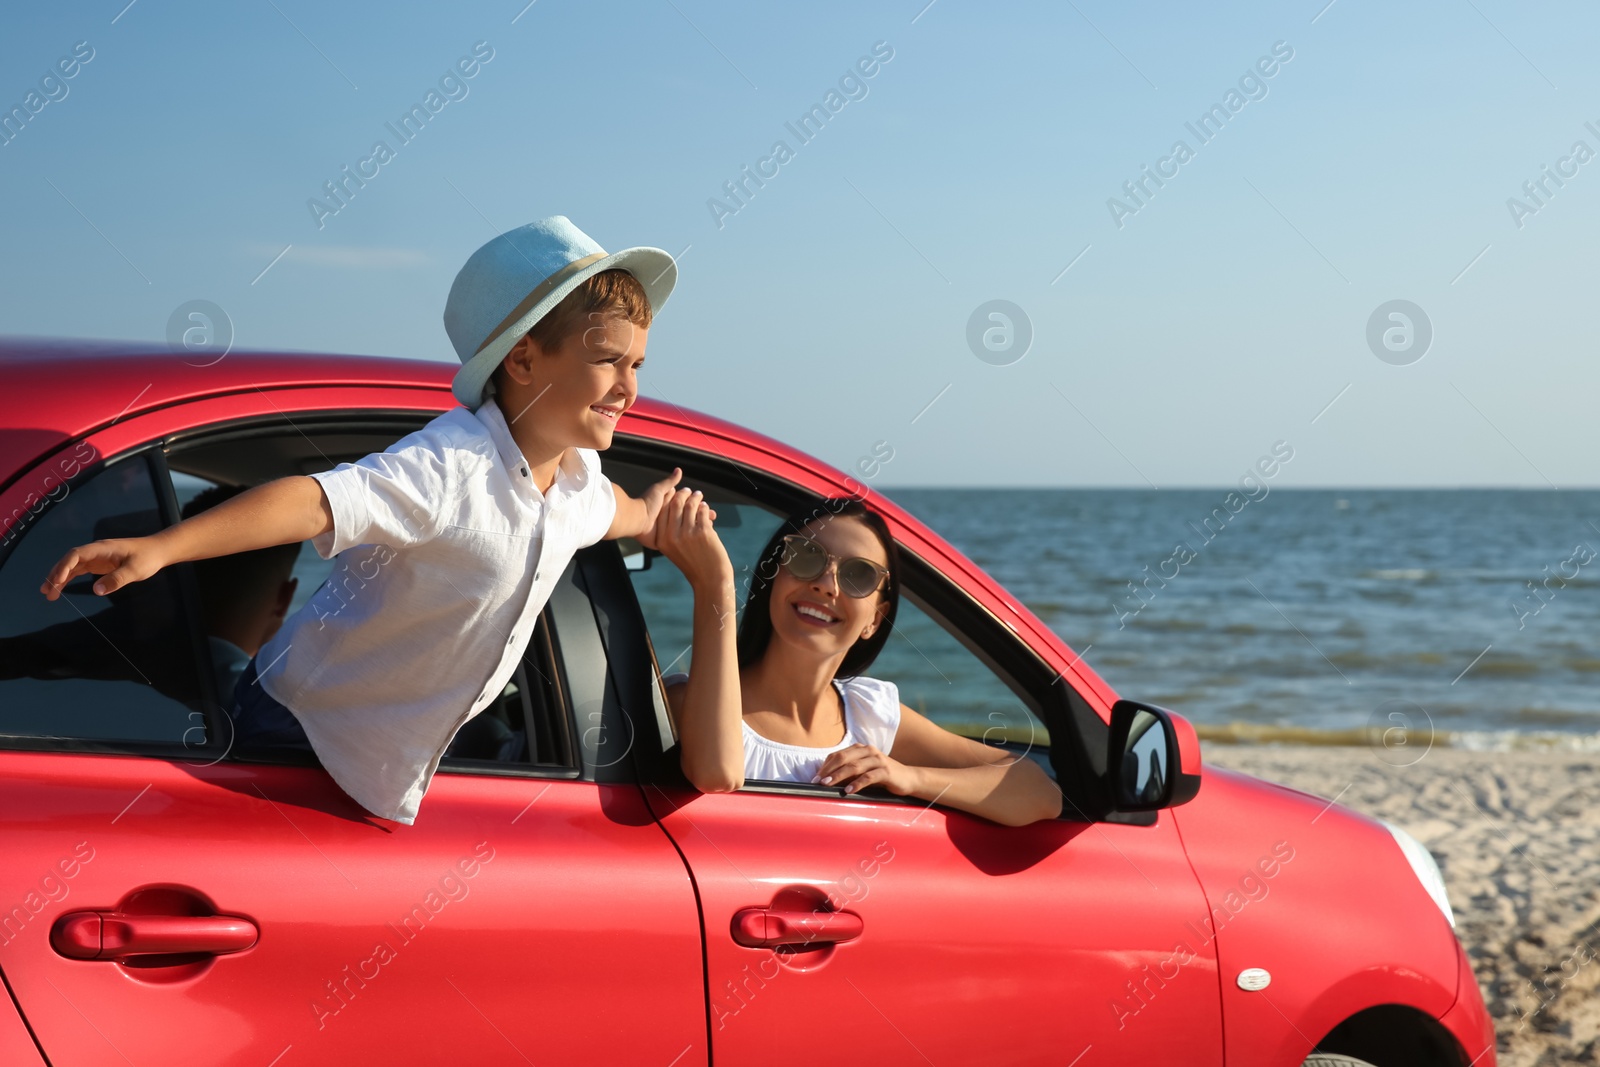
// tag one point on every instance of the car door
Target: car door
(162, 901)
(925, 933)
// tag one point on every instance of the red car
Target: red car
(565, 896)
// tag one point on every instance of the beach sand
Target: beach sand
(1517, 835)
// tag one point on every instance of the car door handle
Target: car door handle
(113, 935)
(770, 927)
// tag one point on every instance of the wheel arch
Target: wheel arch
(1394, 1035)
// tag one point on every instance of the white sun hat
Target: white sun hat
(513, 281)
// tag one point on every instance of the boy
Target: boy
(450, 541)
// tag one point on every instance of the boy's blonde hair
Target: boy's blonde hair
(608, 292)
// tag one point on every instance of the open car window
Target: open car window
(119, 669)
(527, 729)
(938, 673)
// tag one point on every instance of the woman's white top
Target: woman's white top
(871, 717)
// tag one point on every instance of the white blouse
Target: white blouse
(871, 717)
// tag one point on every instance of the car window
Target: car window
(527, 727)
(936, 673)
(118, 668)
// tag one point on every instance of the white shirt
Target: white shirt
(871, 717)
(447, 553)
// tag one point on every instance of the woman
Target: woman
(784, 697)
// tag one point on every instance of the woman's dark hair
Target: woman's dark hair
(755, 629)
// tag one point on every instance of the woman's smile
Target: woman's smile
(813, 613)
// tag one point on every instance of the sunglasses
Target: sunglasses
(805, 559)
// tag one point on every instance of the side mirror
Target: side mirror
(1154, 758)
(635, 556)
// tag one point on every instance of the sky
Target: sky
(1170, 336)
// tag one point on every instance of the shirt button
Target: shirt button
(512, 639)
(536, 576)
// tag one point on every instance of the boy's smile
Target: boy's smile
(573, 397)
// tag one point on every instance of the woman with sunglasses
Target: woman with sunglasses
(783, 696)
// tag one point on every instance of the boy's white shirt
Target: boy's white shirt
(447, 554)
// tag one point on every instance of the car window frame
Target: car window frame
(154, 452)
(1075, 729)
(544, 649)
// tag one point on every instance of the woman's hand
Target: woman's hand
(684, 534)
(864, 765)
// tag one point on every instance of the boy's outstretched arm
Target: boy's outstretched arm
(636, 516)
(277, 513)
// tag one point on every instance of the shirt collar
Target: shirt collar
(571, 474)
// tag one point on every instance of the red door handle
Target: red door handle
(770, 927)
(112, 935)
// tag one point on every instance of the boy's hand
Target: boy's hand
(653, 499)
(121, 560)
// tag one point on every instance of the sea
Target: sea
(1312, 615)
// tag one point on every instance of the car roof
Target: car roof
(67, 387)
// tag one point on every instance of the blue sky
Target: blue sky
(1227, 313)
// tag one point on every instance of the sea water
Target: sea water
(1317, 612)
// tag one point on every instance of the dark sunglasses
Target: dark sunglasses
(805, 559)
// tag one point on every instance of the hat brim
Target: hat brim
(655, 269)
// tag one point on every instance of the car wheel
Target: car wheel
(1333, 1059)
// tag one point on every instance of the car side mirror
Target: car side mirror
(635, 556)
(1154, 757)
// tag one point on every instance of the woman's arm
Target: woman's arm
(707, 707)
(934, 764)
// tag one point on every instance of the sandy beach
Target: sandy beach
(1517, 835)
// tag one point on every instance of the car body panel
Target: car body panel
(980, 943)
(1342, 925)
(377, 942)
(1467, 1020)
(17, 1048)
